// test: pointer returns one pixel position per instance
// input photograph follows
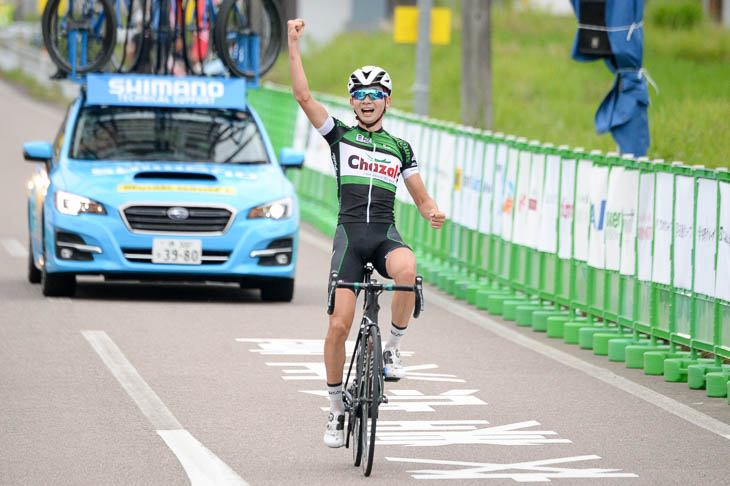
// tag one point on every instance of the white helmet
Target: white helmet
(368, 76)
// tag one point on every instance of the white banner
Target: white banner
(548, 234)
(430, 158)
(567, 206)
(628, 231)
(596, 239)
(645, 233)
(485, 205)
(613, 218)
(500, 188)
(508, 193)
(683, 232)
(722, 285)
(705, 237)
(662, 270)
(473, 181)
(460, 156)
(582, 224)
(534, 200)
(520, 230)
(445, 172)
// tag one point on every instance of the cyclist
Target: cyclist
(367, 162)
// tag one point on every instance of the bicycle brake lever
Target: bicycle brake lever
(331, 287)
(418, 307)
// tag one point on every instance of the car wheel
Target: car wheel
(55, 284)
(282, 291)
(34, 275)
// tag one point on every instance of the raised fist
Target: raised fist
(294, 29)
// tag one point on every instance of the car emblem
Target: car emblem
(177, 213)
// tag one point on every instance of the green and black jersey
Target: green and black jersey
(367, 166)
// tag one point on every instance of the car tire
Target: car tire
(56, 284)
(34, 275)
(282, 291)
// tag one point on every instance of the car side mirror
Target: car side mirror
(290, 158)
(38, 152)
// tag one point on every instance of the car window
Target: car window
(116, 133)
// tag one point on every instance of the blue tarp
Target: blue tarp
(623, 111)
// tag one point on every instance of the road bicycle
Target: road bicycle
(366, 392)
(167, 36)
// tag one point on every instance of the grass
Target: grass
(33, 88)
(539, 92)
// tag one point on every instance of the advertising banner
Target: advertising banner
(683, 232)
(508, 192)
(548, 235)
(645, 232)
(705, 237)
(630, 185)
(567, 208)
(661, 271)
(598, 195)
(500, 175)
(473, 183)
(460, 157)
(582, 210)
(613, 219)
(445, 172)
(534, 200)
(520, 229)
(485, 204)
(722, 285)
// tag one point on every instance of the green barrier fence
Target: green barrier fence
(628, 257)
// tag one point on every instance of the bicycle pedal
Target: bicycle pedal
(384, 400)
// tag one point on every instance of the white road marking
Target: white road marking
(201, 465)
(14, 247)
(529, 472)
(416, 402)
(479, 318)
(317, 371)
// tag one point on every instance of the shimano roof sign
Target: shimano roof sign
(165, 91)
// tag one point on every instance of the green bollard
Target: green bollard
(509, 307)
(523, 313)
(556, 326)
(585, 335)
(482, 299)
(540, 317)
(717, 383)
(654, 360)
(571, 329)
(494, 302)
(617, 347)
(676, 370)
(696, 374)
(601, 340)
(635, 354)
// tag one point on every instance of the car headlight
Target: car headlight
(74, 204)
(275, 210)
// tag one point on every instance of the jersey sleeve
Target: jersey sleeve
(410, 166)
(332, 130)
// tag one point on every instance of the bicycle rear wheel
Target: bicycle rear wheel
(372, 390)
(65, 27)
(237, 21)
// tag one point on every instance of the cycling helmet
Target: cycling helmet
(368, 76)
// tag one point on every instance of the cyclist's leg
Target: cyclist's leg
(394, 259)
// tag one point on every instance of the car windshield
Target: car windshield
(167, 134)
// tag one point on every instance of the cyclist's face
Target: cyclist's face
(369, 110)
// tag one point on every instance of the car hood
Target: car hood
(117, 183)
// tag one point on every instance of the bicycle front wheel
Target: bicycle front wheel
(237, 21)
(355, 418)
(372, 391)
(79, 34)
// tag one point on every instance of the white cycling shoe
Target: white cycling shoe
(392, 365)
(334, 433)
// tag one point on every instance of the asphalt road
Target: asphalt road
(150, 384)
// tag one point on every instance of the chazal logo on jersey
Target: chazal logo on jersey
(379, 166)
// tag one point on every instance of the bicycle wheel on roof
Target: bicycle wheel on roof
(237, 23)
(79, 34)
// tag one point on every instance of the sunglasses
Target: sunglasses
(375, 94)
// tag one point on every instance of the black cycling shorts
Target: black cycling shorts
(355, 244)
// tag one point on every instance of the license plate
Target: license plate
(178, 252)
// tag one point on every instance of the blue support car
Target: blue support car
(162, 178)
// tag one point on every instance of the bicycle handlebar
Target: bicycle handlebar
(334, 284)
